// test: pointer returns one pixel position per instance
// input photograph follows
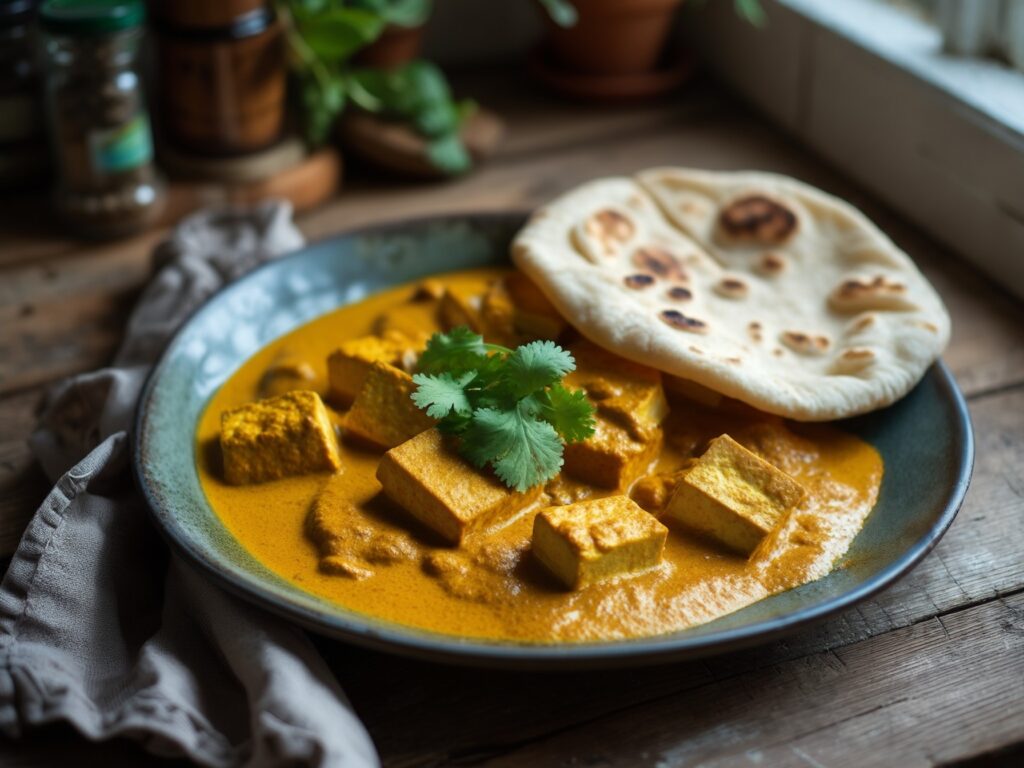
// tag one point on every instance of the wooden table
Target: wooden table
(929, 672)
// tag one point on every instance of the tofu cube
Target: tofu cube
(348, 366)
(383, 414)
(612, 457)
(628, 393)
(630, 405)
(589, 541)
(460, 306)
(733, 496)
(284, 436)
(514, 311)
(691, 390)
(444, 492)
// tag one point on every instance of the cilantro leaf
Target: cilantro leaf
(509, 408)
(535, 365)
(522, 450)
(457, 352)
(442, 394)
(568, 411)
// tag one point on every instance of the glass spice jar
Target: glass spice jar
(99, 126)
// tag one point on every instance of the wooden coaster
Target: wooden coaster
(306, 184)
(400, 149)
(279, 158)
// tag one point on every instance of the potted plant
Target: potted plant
(614, 48)
(405, 109)
(401, 38)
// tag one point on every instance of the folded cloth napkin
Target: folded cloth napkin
(100, 626)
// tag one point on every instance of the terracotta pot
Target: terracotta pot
(613, 37)
(396, 46)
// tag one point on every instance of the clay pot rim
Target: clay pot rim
(609, 88)
(622, 7)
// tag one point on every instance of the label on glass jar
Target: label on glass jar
(113, 150)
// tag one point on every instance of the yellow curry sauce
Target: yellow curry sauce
(490, 586)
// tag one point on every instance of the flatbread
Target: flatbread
(755, 285)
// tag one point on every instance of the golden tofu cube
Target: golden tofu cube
(733, 496)
(627, 393)
(653, 491)
(612, 457)
(348, 366)
(630, 405)
(535, 314)
(383, 413)
(460, 306)
(286, 435)
(514, 311)
(593, 540)
(691, 390)
(444, 492)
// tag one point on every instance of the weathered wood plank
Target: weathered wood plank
(942, 689)
(48, 339)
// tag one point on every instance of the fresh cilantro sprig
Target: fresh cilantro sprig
(508, 407)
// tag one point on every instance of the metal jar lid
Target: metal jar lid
(91, 17)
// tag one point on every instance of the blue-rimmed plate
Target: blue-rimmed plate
(925, 440)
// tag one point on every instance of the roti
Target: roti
(755, 285)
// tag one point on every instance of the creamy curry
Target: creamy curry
(328, 527)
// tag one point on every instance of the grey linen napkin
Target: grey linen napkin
(101, 627)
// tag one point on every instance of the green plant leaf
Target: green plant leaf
(568, 411)
(535, 365)
(322, 101)
(436, 120)
(457, 352)
(522, 451)
(336, 34)
(562, 12)
(509, 407)
(751, 11)
(449, 154)
(442, 394)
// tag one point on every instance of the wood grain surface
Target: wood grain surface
(930, 672)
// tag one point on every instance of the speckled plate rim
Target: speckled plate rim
(322, 617)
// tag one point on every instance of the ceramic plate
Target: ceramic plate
(925, 440)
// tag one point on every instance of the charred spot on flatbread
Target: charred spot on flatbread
(679, 293)
(639, 281)
(659, 261)
(770, 264)
(610, 228)
(679, 321)
(806, 343)
(732, 288)
(856, 294)
(757, 218)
